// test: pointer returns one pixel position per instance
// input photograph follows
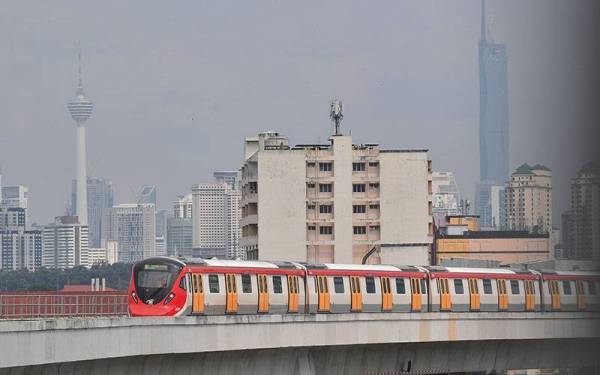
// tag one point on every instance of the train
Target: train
(165, 286)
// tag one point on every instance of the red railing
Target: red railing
(26, 305)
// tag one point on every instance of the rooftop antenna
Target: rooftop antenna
(336, 114)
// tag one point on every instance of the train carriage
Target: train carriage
(570, 291)
(483, 289)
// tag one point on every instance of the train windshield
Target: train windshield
(154, 279)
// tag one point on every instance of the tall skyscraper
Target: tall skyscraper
(493, 119)
(147, 194)
(81, 110)
(133, 227)
(585, 213)
(179, 237)
(493, 106)
(100, 197)
(182, 207)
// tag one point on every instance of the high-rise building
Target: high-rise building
(497, 207)
(566, 231)
(13, 218)
(335, 202)
(147, 194)
(20, 249)
(65, 243)
(585, 213)
(231, 178)
(179, 237)
(233, 215)
(209, 220)
(446, 197)
(100, 197)
(133, 227)
(81, 110)
(493, 119)
(182, 207)
(528, 199)
(15, 196)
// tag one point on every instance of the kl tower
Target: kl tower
(81, 110)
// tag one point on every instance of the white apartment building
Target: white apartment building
(209, 230)
(133, 227)
(233, 216)
(528, 199)
(335, 202)
(20, 249)
(446, 197)
(65, 243)
(182, 207)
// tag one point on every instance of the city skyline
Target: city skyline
(209, 122)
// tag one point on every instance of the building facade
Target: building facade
(65, 243)
(133, 227)
(20, 249)
(528, 199)
(13, 218)
(147, 195)
(182, 207)
(100, 197)
(335, 202)
(179, 237)
(446, 197)
(210, 220)
(584, 230)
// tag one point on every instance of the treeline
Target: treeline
(117, 277)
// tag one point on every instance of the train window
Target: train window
(423, 287)
(213, 283)
(338, 284)
(458, 286)
(567, 287)
(487, 286)
(182, 283)
(514, 287)
(277, 285)
(591, 287)
(246, 284)
(400, 287)
(370, 284)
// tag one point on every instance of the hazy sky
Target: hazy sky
(178, 85)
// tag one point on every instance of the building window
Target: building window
(310, 206)
(373, 227)
(213, 283)
(338, 284)
(373, 164)
(514, 287)
(325, 188)
(458, 286)
(325, 167)
(487, 286)
(374, 185)
(358, 167)
(370, 282)
(310, 164)
(359, 188)
(310, 185)
(400, 287)
(567, 287)
(325, 208)
(277, 285)
(326, 230)
(311, 227)
(360, 230)
(359, 209)
(374, 206)
(246, 284)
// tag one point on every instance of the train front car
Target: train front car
(158, 288)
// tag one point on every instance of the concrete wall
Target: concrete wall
(30, 343)
(342, 201)
(282, 205)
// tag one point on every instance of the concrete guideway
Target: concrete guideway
(488, 335)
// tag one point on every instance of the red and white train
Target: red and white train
(164, 286)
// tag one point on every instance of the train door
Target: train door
(323, 290)
(529, 295)
(231, 293)
(502, 296)
(445, 299)
(415, 289)
(386, 294)
(475, 298)
(356, 296)
(292, 293)
(554, 294)
(263, 294)
(581, 302)
(197, 294)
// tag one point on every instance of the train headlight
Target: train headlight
(169, 298)
(134, 296)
